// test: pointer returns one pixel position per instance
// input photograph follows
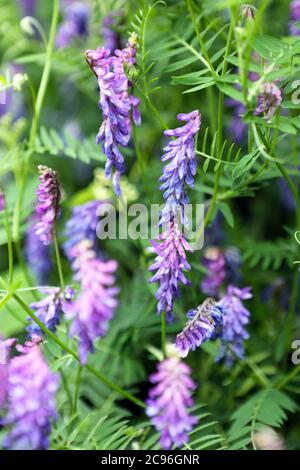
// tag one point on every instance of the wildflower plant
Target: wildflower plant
(198, 104)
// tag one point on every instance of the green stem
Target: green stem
(58, 260)
(77, 388)
(66, 387)
(9, 246)
(289, 377)
(68, 350)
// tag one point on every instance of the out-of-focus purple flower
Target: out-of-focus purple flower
(37, 254)
(169, 402)
(11, 101)
(111, 37)
(28, 7)
(2, 201)
(116, 103)
(5, 347)
(235, 318)
(237, 126)
(75, 24)
(202, 325)
(47, 208)
(268, 100)
(169, 265)
(50, 308)
(182, 166)
(268, 439)
(81, 225)
(97, 302)
(214, 262)
(294, 18)
(232, 263)
(31, 389)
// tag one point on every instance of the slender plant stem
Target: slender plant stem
(66, 387)
(9, 246)
(70, 351)
(286, 380)
(77, 388)
(58, 260)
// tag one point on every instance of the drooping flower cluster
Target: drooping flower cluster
(202, 325)
(50, 308)
(169, 402)
(97, 302)
(81, 225)
(111, 37)
(235, 318)
(169, 265)
(47, 208)
(214, 262)
(182, 166)
(31, 389)
(75, 24)
(116, 103)
(37, 254)
(294, 18)
(268, 100)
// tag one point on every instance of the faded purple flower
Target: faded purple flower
(182, 166)
(237, 126)
(170, 400)
(50, 308)
(81, 225)
(75, 24)
(37, 254)
(235, 318)
(2, 201)
(96, 303)
(202, 325)
(116, 103)
(111, 37)
(47, 208)
(248, 11)
(31, 389)
(294, 18)
(214, 262)
(169, 265)
(5, 347)
(268, 100)
(233, 263)
(28, 7)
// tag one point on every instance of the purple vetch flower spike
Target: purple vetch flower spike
(169, 265)
(202, 325)
(268, 100)
(170, 400)
(295, 18)
(31, 389)
(37, 254)
(182, 166)
(214, 261)
(75, 24)
(50, 308)
(81, 225)
(116, 103)
(47, 208)
(96, 303)
(235, 318)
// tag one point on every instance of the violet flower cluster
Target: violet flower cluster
(170, 400)
(47, 208)
(116, 103)
(169, 265)
(294, 18)
(222, 266)
(81, 225)
(268, 100)
(49, 309)
(182, 166)
(75, 24)
(30, 397)
(235, 318)
(203, 324)
(96, 304)
(37, 254)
